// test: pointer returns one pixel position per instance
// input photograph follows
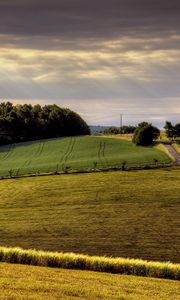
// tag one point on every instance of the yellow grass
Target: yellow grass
(176, 147)
(162, 148)
(93, 263)
(21, 282)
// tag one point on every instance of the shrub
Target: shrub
(145, 135)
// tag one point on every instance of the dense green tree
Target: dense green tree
(169, 129)
(26, 122)
(145, 134)
(177, 130)
(172, 131)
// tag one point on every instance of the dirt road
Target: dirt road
(173, 153)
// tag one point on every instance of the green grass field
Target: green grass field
(126, 214)
(76, 154)
(20, 282)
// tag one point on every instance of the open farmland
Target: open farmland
(29, 282)
(126, 214)
(76, 154)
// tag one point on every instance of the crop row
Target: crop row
(127, 266)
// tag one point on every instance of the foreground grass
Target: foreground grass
(93, 263)
(122, 214)
(76, 154)
(27, 282)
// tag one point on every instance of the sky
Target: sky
(101, 58)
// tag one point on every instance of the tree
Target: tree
(144, 135)
(177, 130)
(26, 122)
(169, 129)
(172, 131)
(124, 130)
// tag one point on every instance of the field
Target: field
(20, 282)
(125, 214)
(76, 154)
(176, 147)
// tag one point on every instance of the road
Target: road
(173, 153)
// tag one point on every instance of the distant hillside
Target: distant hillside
(97, 129)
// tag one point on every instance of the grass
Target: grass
(93, 263)
(124, 136)
(176, 147)
(162, 148)
(121, 214)
(28, 282)
(76, 154)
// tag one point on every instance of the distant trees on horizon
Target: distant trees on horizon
(19, 123)
(123, 130)
(145, 129)
(172, 131)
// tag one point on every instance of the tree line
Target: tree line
(145, 133)
(19, 123)
(122, 130)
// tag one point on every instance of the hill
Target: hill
(76, 154)
(125, 214)
(29, 282)
(97, 129)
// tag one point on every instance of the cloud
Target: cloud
(65, 20)
(118, 55)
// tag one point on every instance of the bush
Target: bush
(145, 134)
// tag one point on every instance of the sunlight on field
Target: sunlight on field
(126, 214)
(28, 282)
(77, 154)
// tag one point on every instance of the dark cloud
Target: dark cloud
(89, 19)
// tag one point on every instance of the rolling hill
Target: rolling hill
(76, 154)
(122, 214)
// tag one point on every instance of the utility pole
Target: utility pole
(121, 120)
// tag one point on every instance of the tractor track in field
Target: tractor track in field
(39, 149)
(38, 152)
(27, 163)
(101, 154)
(68, 152)
(9, 152)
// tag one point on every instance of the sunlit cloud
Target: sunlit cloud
(43, 66)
